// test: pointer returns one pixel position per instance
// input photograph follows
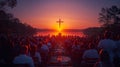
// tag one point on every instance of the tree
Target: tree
(109, 16)
(92, 31)
(10, 24)
(104, 17)
(114, 11)
(9, 3)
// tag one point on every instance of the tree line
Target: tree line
(10, 24)
(109, 18)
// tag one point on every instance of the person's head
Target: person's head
(33, 50)
(23, 49)
(104, 56)
(107, 34)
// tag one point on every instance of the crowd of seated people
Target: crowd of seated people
(91, 52)
(35, 51)
(31, 51)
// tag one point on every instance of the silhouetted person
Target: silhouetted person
(75, 56)
(104, 60)
(23, 58)
(107, 44)
(44, 54)
(35, 55)
(6, 50)
(90, 56)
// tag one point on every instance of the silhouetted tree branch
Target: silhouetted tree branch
(109, 16)
(9, 3)
(10, 24)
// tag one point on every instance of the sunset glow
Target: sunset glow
(76, 14)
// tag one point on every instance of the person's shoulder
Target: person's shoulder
(87, 51)
(26, 57)
(110, 40)
(93, 50)
(15, 59)
(19, 56)
(29, 59)
(101, 41)
(106, 41)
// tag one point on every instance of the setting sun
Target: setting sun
(59, 30)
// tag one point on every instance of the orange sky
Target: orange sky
(76, 14)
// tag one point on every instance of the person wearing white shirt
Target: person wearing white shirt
(44, 54)
(108, 45)
(23, 58)
(35, 54)
(44, 48)
(91, 52)
(90, 56)
(49, 45)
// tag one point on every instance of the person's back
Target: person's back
(44, 54)
(108, 44)
(91, 53)
(90, 56)
(44, 48)
(104, 60)
(35, 54)
(23, 58)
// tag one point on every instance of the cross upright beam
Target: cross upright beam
(59, 21)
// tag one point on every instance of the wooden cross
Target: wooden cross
(60, 21)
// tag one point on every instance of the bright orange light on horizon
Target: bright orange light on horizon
(59, 30)
(56, 27)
